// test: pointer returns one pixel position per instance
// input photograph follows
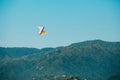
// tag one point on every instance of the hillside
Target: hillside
(91, 60)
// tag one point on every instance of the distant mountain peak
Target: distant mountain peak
(97, 42)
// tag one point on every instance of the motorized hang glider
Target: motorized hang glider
(41, 30)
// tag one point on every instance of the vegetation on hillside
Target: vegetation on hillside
(91, 60)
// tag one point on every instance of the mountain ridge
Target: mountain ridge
(91, 60)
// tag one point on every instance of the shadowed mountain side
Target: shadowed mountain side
(17, 52)
(93, 60)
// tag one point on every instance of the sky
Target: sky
(66, 22)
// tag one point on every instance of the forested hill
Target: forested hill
(16, 52)
(91, 60)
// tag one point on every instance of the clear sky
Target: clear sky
(66, 22)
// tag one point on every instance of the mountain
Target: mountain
(90, 60)
(19, 52)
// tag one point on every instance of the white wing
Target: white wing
(40, 29)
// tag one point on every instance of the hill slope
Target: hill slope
(93, 60)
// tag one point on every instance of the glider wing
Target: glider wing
(41, 30)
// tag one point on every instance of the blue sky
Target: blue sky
(66, 22)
